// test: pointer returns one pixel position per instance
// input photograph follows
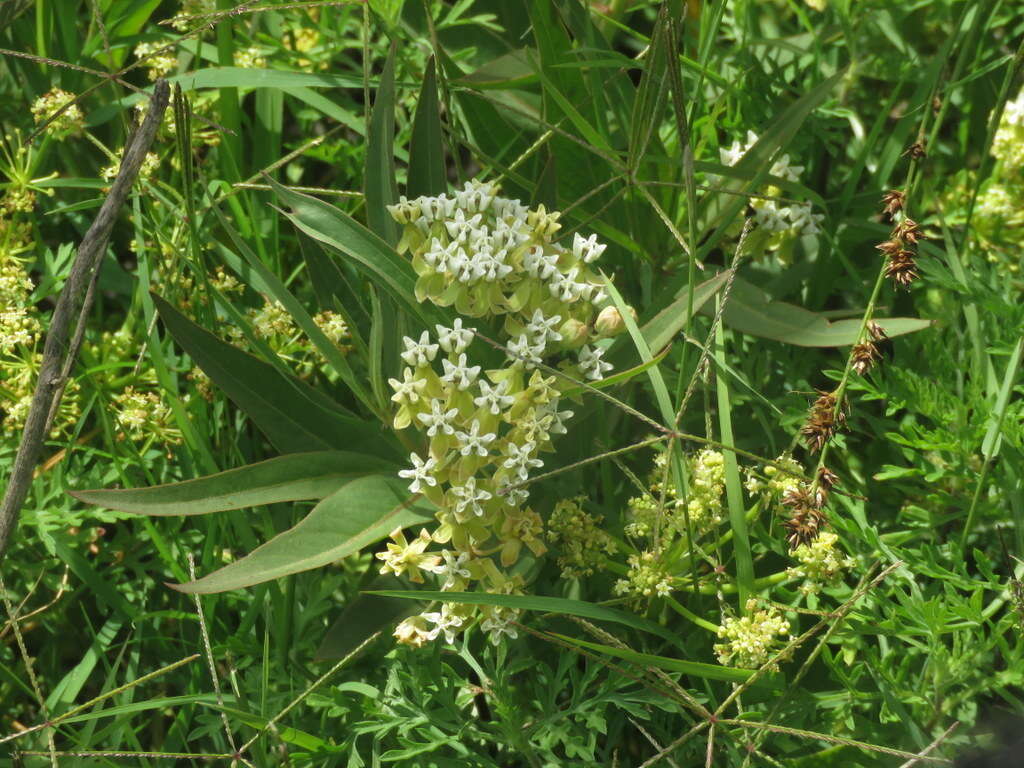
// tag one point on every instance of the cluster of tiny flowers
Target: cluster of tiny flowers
(145, 417)
(751, 640)
(702, 506)
(783, 223)
(647, 576)
(583, 545)
(182, 20)
(778, 479)
(492, 257)
(821, 562)
(70, 120)
(149, 165)
(249, 58)
(157, 64)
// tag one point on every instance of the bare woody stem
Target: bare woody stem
(70, 314)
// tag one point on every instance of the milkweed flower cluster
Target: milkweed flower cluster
(749, 641)
(492, 258)
(783, 224)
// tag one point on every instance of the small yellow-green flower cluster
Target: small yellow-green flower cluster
(249, 58)
(703, 503)
(822, 562)
(752, 639)
(144, 416)
(777, 481)
(647, 576)
(149, 165)
(182, 20)
(159, 59)
(489, 257)
(583, 544)
(70, 120)
(780, 225)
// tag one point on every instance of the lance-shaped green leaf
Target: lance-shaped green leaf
(559, 605)
(693, 668)
(360, 513)
(292, 477)
(426, 150)
(293, 415)
(752, 311)
(379, 183)
(340, 233)
(363, 616)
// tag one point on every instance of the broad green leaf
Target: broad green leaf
(360, 513)
(343, 234)
(511, 70)
(293, 415)
(379, 183)
(559, 605)
(362, 617)
(659, 331)
(286, 478)
(426, 150)
(752, 311)
(693, 668)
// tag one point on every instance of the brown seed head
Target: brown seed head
(822, 421)
(902, 268)
(907, 230)
(806, 517)
(864, 356)
(916, 151)
(889, 247)
(893, 200)
(876, 331)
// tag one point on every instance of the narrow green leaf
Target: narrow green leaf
(362, 617)
(379, 182)
(426, 150)
(558, 605)
(662, 328)
(510, 70)
(360, 513)
(285, 478)
(693, 668)
(294, 416)
(752, 311)
(343, 234)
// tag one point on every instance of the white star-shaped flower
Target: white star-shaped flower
(540, 264)
(520, 461)
(443, 621)
(522, 351)
(473, 441)
(494, 398)
(587, 248)
(459, 374)
(420, 473)
(419, 353)
(439, 418)
(455, 339)
(407, 391)
(543, 328)
(591, 363)
(469, 496)
(451, 569)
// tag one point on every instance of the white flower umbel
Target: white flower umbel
(420, 473)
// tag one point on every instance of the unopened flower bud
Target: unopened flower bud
(610, 321)
(574, 333)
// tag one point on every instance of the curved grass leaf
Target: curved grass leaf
(360, 513)
(285, 478)
(660, 329)
(294, 416)
(535, 603)
(752, 311)
(426, 151)
(692, 668)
